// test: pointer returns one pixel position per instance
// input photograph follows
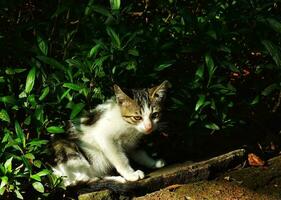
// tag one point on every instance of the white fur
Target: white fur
(106, 143)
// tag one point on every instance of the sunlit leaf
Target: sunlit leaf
(35, 177)
(94, 50)
(30, 80)
(73, 86)
(29, 156)
(55, 129)
(38, 186)
(43, 172)
(37, 163)
(115, 4)
(200, 102)
(18, 194)
(4, 115)
(8, 165)
(4, 181)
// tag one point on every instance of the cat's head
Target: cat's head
(142, 107)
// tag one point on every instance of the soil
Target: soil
(249, 183)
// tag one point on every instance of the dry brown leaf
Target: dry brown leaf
(254, 160)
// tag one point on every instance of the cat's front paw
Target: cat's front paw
(159, 163)
(136, 175)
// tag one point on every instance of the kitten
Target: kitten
(104, 140)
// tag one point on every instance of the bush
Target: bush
(223, 59)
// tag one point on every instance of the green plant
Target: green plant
(223, 59)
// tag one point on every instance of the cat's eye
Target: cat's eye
(155, 115)
(137, 118)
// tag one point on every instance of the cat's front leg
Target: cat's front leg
(119, 160)
(142, 158)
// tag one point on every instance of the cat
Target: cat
(105, 139)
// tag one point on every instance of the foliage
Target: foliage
(61, 58)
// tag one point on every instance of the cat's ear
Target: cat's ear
(158, 93)
(121, 97)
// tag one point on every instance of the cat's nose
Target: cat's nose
(148, 127)
(149, 130)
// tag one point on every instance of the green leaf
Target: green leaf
(31, 99)
(255, 100)
(269, 89)
(65, 94)
(26, 163)
(102, 10)
(37, 163)
(8, 165)
(162, 66)
(27, 120)
(39, 113)
(210, 66)
(2, 190)
(29, 156)
(133, 52)
(200, 71)
(115, 4)
(44, 93)
(4, 116)
(8, 99)
(42, 44)
(212, 126)
(114, 37)
(200, 102)
(76, 109)
(18, 194)
(51, 61)
(4, 181)
(38, 186)
(20, 133)
(94, 50)
(30, 80)
(35, 177)
(75, 62)
(275, 25)
(37, 142)
(55, 129)
(43, 172)
(73, 86)
(273, 50)
(12, 71)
